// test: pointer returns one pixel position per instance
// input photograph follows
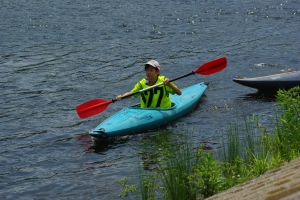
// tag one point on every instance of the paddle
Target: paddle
(97, 106)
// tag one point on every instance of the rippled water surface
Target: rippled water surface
(55, 55)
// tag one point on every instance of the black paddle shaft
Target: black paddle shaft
(180, 77)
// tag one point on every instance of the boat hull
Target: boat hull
(284, 81)
(133, 119)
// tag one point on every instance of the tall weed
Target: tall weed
(288, 123)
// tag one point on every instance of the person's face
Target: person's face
(151, 72)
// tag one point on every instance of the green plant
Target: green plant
(260, 164)
(288, 123)
(147, 187)
(206, 178)
(127, 188)
(175, 170)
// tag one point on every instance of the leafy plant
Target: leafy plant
(288, 124)
(175, 171)
(206, 178)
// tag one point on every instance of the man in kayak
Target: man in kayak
(157, 97)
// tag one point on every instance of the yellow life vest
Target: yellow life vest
(157, 97)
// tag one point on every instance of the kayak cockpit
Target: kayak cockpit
(138, 106)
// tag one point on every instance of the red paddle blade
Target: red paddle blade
(212, 66)
(92, 107)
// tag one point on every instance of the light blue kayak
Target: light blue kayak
(133, 119)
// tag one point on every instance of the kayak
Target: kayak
(133, 119)
(284, 81)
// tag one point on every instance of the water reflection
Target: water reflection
(85, 141)
(265, 96)
(94, 145)
(101, 146)
(161, 146)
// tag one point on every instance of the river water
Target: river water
(55, 55)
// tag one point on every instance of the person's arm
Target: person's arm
(137, 87)
(174, 88)
(119, 97)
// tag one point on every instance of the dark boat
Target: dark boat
(286, 80)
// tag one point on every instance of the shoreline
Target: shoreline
(279, 183)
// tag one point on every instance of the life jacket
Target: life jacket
(157, 97)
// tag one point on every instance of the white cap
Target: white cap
(153, 63)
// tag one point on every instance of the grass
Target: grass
(185, 171)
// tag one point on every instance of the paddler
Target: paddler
(157, 97)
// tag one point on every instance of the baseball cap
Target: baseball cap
(153, 63)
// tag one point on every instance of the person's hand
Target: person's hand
(119, 97)
(167, 82)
